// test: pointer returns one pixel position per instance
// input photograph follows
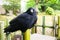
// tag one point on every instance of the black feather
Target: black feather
(22, 22)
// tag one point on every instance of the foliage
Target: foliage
(55, 4)
(7, 7)
(30, 3)
(13, 5)
(49, 11)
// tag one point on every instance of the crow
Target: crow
(23, 21)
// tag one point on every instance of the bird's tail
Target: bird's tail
(7, 29)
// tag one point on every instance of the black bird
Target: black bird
(22, 22)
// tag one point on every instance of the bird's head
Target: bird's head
(31, 11)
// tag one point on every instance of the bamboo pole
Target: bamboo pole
(54, 26)
(34, 29)
(58, 26)
(1, 30)
(8, 37)
(43, 26)
(26, 35)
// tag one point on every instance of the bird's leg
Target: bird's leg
(7, 35)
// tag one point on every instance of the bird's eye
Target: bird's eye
(31, 10)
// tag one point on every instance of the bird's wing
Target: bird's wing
(24, 18)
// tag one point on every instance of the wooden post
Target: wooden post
(58, 26)
(54, 26)
(43, 26)
(23, 5)
(26, 35)
(1, 30)
(8, 37)
(34, 30)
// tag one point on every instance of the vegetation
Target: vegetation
(44, 4)
(13, 5)
(30, 3)
(50, 3)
